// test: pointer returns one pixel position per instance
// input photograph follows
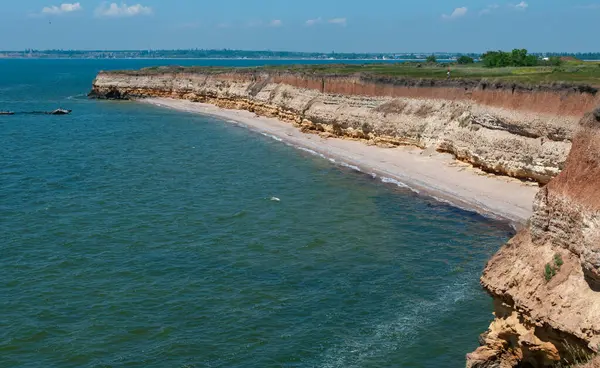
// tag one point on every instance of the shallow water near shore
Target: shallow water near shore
(144, 236)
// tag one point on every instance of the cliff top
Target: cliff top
(572, 73)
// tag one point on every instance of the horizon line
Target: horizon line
(282, 51)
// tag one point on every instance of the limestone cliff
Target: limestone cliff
(546, 281)
(512, 130)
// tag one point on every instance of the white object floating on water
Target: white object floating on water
(275, 199)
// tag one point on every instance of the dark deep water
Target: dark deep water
(136, 236)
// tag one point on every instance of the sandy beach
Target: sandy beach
(429, 173)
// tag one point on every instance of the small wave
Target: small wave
(275, 199)
(313, 152)
(355, 168)
(272, 136)
(77, 97)
(387, 180)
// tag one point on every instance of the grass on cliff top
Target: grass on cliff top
(572, 72)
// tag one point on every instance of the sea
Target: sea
(136, 236)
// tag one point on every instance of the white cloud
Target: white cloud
(489, 9)
(521, 6)
(457, 13)
(63, 8)
(259, 23)
(312, 22)
(114, 10)
(340, 21)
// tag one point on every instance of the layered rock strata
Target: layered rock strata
(546, 281)
(511, 130)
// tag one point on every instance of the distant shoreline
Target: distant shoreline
(253, 59)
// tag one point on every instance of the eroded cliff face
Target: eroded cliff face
(546, 281)
(508, 130)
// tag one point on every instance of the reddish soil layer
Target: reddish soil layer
(579, 179)
(561, 100)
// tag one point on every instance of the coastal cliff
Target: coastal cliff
(506, 129)
(546, 281)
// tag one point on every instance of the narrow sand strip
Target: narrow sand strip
(434, 174)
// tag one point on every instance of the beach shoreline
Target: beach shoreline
(427, 172)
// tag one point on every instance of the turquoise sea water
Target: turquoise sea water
(141, 237)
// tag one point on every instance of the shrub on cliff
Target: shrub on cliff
(554, 61)
(551, 270)
(558, 261)
(465, 60)
(499, 59)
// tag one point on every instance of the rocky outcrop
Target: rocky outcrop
(546, 281)
(506, 129)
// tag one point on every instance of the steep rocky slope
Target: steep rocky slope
(546, 281)
(512, 130)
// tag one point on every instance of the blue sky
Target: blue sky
(307, 25)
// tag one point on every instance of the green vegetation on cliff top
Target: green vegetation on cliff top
(570, 72)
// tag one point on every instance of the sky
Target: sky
(307, 25)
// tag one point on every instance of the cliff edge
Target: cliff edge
(508, 129)
(546, 281)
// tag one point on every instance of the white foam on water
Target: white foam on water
(355, 168)
(332, 160)
(313, 152)
(387, 180)
(76, 96)
(401, 331)
(272, 136)
(308, 150)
